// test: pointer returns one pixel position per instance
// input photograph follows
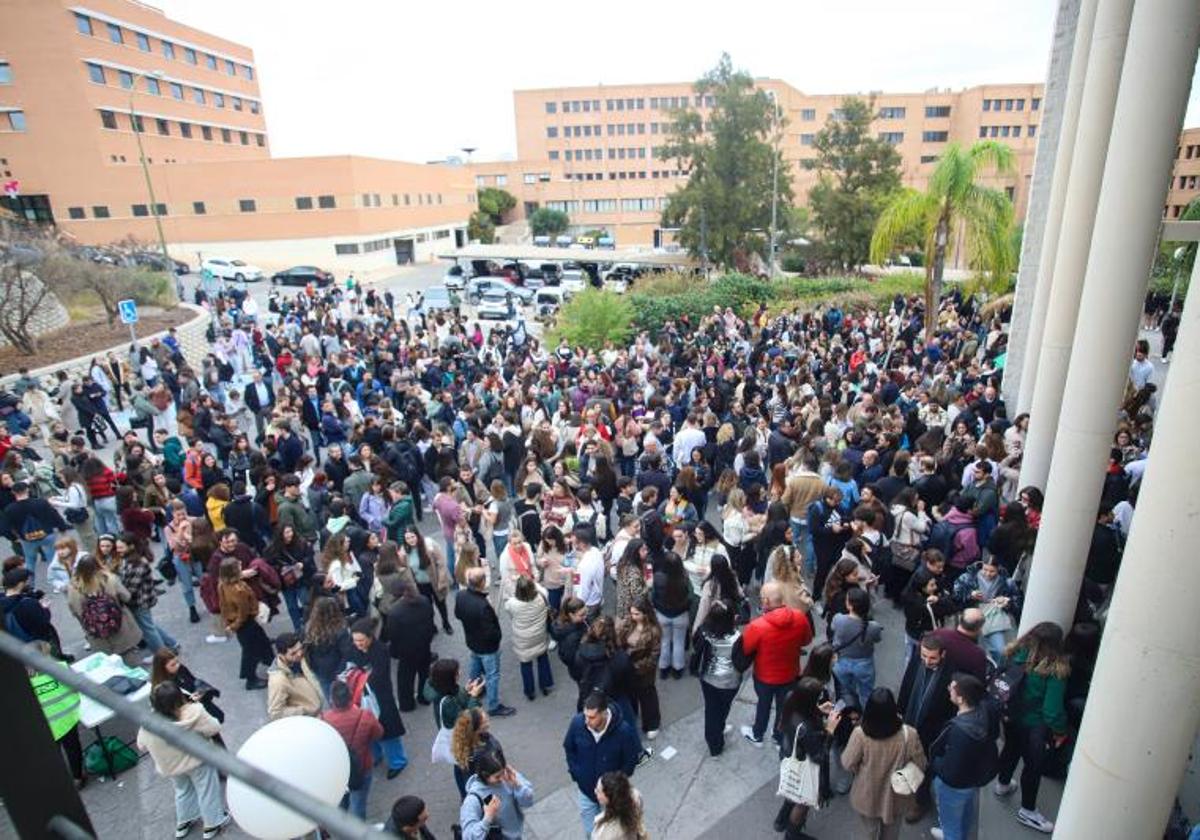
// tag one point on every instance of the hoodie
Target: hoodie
(964, 755)
(775, 640)
(169, 760)
(510, 818)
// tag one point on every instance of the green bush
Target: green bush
(591, 319)
(793, 263)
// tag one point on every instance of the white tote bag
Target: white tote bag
(800, 778)
(441, 752)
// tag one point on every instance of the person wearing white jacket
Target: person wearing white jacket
(530, 637)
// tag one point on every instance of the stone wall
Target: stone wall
(51, 315)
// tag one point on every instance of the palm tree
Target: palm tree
(952, 199)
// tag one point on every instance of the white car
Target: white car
(496, 304)
(454, 278)
(237, 270)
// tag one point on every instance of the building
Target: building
(77, 82)
(1184, 187)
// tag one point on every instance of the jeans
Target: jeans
(107, 521)
(315, 434)
(355, 801)
(544, 677)
(674, 636)
(450, 562)
(803, 543)
(768, 694)
(589, 809)
(198, 794)
(555, 596)
(717, 702)
(32, 548)
(856, 678)
(155, 636)
(184, 571)
(994, 644)
(393, 750)
(958, 810)
(499, 543)
(1026, 744)
(488, 665)
(296, 599)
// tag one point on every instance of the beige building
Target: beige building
(1185, 177)
(77, 82)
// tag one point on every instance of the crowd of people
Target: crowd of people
(727, 496)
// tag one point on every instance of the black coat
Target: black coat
(329, 659)
(480, 623)
(937, 709)
(380, 664)
(568, 637)
(409, 630)
(249, 519)
(251, 397)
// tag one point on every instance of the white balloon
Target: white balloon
(303, 751)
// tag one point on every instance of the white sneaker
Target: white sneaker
(748, 734)
(1004, 790)
(936, 833)
(215, 640)
(728, 728)
(1035, 820)
(652, 734)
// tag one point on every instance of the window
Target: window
(935, 136)
(937, 111)
(709, 101)
(629, 104)
(230, 68)
(83, 25)
(551, 131)
(345, 249)
(152, 86)
(366, 199)
(892, 113)
(994, 131)
(983, 131)
(327, 202)
(807, 139)
(185, 129)
(143, 42)
(237, 103)
(210, 61)
(136, 123)
(1020, 104)
(587, 105)
(551, 107)
(304, 202)
(808, 114)
(1008, 104)
(163, 126)
(108, 119)
(620, 104)
(1035, 104)
(189, 55)
(114, 34)
(1011, 192)
(198, 208)
(168, 50)
(249, 72)
(987, 104)
(1032, 132)
(244, 138)
(125, 78)
(96, 74)
(140, 210)
(893, 137)
(226, 135)
(76, 213)
(247, 205)
(198, 96)
(928, 158)
(100, 211)
(218, 99)
(553, 155)
(1016, 131)
(160, 209)
(653, 101)
(176, 90)
(206, 132)
(1003, 131)
(501, 180)
(260, 140)
(253, 107)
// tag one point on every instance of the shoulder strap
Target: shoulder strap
(796, 739)
(441, 711)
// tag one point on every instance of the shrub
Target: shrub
(591, 319)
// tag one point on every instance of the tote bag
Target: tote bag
(441, 752)
(908, 778)
(799, 778)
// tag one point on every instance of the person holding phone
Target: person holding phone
(497, 797)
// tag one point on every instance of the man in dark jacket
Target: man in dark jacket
(599, 740)
(288, 449)
(964, 758)
(32, 522)
(409, 631)
(654, 476)
(482, 629)
(925, 703)
(24, 616)
(247, 517)
(260, 399)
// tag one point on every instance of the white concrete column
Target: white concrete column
(1142, 713)
(1149, 113)
(1070, 257)
(1047, 190)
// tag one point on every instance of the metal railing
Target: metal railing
(334, 820)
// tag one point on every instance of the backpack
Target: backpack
(15, 629)
(942, 534)
(101, 616)
(357, 679)
(32, 529)
(1004, 690)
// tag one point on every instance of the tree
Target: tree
(858, 174)
(23, 295)
(547, 222)
(724, 208)
(592, 318)
(481, 228)
(495, 203)
(953, 199)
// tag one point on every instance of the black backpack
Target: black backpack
(1004, 689)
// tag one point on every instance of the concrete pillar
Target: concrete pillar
(1053, 134)
(1153, 94)
(1070, 257)
(1142, 713)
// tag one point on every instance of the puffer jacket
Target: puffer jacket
(169, 760)
(530, 638)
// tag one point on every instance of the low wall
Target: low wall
(191, 337)
(50, 316)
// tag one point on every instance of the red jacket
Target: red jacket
(359, 729)
(775, 640)
(103, 485)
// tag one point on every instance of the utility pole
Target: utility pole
(133, 123)
(771, 267)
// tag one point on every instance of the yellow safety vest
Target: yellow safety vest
(60, 704)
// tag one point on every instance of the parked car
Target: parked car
(478, 286)
(237, 270)
(541, 241)
(158, 262)
(498, 304)
(302, 275)
(455, 277)
(438, 299)
(563, 241)
(549, 300)
(574, 279)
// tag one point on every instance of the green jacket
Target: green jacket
(1042, 697)
(398, 518)
(294, 513)
(60, 704)
(173, 454)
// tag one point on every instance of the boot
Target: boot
(193, 616)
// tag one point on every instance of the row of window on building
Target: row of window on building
(1006, 131)
(1035, 104)
(85, 25)
(1188, 152)
(1187, 182)
(613, 130)
(201, 96)
(250, 205)
(374, 200)
(610, 205)
(137, 122)
(626, 175)
(638, 103)
(623, 153)
(345, 249)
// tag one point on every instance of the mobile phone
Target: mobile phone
(839, 707)
(487, 800)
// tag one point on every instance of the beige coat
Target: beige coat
(129, 634)
(170, 760)
(290, 694)
(872, 762)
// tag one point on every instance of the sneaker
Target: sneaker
(212, 831)
(184, 828)
(748, 734)
(1001, 789)
(652, 734)
(503, 711)
(728, 729)
(1035, 820)
(936, 833)
(215, 640)
(645, 757)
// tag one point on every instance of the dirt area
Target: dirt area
(89, 335)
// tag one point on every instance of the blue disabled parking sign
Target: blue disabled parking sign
(128, 310)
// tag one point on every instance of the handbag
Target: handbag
(799, 778)
(904, 555)
(263, 615)
(908, 778)
(76, 515)
(441, 753)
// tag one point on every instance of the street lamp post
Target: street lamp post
(137, 133)
(771, 267)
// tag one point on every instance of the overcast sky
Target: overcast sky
(420, 80)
